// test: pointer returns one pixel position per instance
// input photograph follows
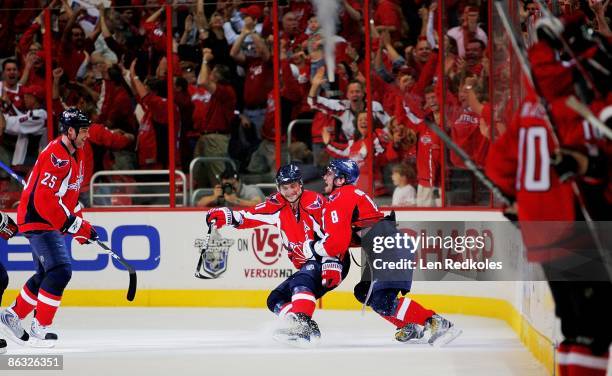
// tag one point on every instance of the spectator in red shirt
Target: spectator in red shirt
(117, 109)
(302, 10)
(75, 45)
(216, 127)
(429, 155)
(475, 63)
(350, 19)
(34, 69)
(291, 32)
(388, 15)
(259, 76)
(466, 130)
(152, 142)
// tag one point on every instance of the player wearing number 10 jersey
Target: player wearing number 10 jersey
(556, 178)
(48, 209)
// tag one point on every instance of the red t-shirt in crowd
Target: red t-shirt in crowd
(465, 131)
(220, 111)
(258, 82)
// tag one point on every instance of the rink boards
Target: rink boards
(162, 247)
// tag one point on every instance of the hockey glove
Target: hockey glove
(8, 228)
(297, 256)
(331, 272)
(80, 229)
(223, 217)
(568, 163)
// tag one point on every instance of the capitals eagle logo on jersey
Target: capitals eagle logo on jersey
(57, 162)
(317, 204)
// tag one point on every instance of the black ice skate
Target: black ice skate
(2, 346)
(301, 331)
(442, 331)
(411, 332)
(40, 335)
(11, 325)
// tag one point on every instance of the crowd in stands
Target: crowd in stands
(112, 64)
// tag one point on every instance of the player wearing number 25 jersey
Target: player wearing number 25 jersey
(51, 196)
(47, 210)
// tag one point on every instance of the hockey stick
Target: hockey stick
(12, 173)
(584, 111)
(521, 53)
(469, 163)
(131, 293)
(203, 249)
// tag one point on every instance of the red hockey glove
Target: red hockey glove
(80, 229)
(86, 234)
(297, 256)
(331, 272)
(8, 228)
(222, 217)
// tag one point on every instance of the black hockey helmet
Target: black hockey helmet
(288, 174)
(73, 118)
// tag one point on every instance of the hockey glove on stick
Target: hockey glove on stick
(80, 229)
(223, 217)
(569, 163)
(8, 227)
(331, 272)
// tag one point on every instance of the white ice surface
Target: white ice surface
(199, 341)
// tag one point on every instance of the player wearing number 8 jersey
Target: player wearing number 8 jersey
(350, 211)
(48, 209)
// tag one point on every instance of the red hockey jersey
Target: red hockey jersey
(52, 193)
(347, 207)
(519, 163)
(294, 228)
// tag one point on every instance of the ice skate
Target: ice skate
(40, 335)
(2, 346)
(11, 325)
(413, 333)
(301, 331)
(442, 331)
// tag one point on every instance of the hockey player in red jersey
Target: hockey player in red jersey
(541, 170)
(48, 209)
(297, 215)
(8, 229)
(348, 211)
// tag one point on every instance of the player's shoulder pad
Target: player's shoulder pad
(273, 203)
(311, 200)
(56, 155)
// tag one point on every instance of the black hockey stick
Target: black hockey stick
(469, 163)
(203, 249)
(131, 293)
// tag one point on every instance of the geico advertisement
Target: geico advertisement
(164, 248)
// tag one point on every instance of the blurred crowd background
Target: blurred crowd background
(442, 62)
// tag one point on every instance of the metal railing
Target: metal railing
(290, 131)
(198, 160)
(94, 185)
(198, 193)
